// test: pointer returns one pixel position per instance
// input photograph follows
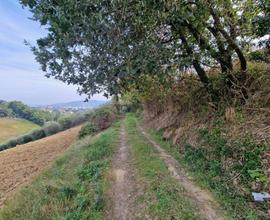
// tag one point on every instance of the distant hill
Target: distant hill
(75, 105)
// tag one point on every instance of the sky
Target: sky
(20, 75)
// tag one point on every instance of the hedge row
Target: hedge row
(48, 129)
(98, 119)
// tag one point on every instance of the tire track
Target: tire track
(208, 207)
(122, 183)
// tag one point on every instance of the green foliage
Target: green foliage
(87, 129)
(262, 22)
(20, 110)
(160, 38)
(65, 122)
(70, 121)
(207, 167)
(101, 117)
(23, 111)
(52, 127)
(209, 162)
(260, 56)
(258, 175)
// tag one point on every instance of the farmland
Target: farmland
(11, 127)
(19, 164)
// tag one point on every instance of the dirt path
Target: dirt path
(202, 198)
(122, 183)
(18, 165)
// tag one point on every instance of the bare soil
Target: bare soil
(205, 202)
(122, 183)
(18, 165)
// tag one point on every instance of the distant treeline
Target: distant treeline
(20, 110)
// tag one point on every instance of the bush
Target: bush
(87, 129)
(38, 133)
(52, 127)
(259, 56)
(102, 117)
(71, 121)
(65, 122)
(78, 119)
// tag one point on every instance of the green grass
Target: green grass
(72, 188)
(207, 174)
(13, 127)
(163, 197)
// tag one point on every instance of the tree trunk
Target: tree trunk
(116, 103)
(205, 46)
(226, 54)
(200, 71)
(230, 41)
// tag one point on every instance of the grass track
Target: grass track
(163, 197)
(13, 127)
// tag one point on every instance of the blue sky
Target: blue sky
(20, 75)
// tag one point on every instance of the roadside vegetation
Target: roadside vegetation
(231, 183)
(162, 197)
(73, 187)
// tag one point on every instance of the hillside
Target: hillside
(20, 110)
(13, 127)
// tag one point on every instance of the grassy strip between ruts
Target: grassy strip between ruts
(163, 197)
(236, 207)
(72, 188)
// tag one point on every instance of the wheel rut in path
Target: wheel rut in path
(122, 183)
(206, 204)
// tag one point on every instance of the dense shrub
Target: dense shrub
(52, 127)
(102, 117)
(71, 121)
(65, 122)
(87, 129)
(78, 119)
(259, 56)
(38, 133)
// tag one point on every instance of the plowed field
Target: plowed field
(18, 165)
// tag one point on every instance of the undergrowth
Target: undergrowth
(72, 188)
(228, 168)
(163, 197)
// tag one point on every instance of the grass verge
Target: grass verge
(72, 188)
(205, 173)
(163, 198)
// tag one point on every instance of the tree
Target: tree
(101, 45)
(262, 22)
